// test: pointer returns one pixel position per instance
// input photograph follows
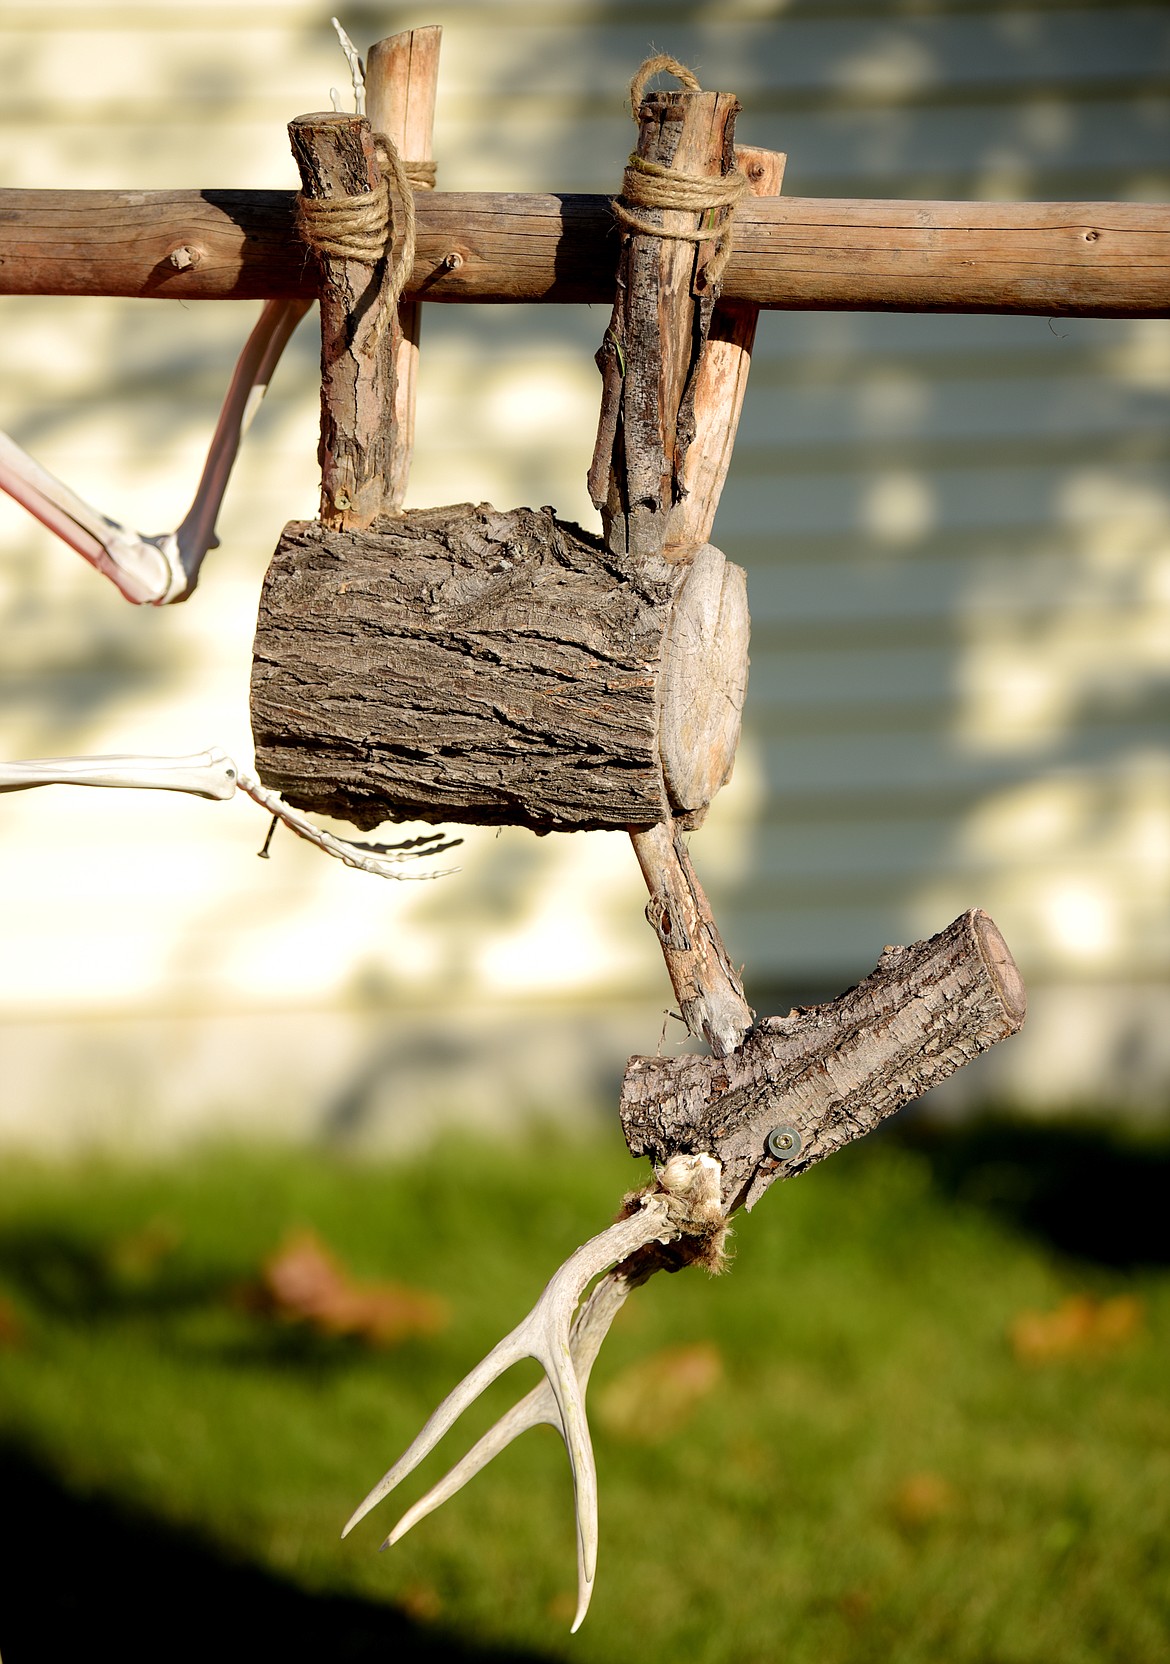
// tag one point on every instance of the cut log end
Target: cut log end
(1001, 968)
(704, 683)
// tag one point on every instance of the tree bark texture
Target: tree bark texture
(706, 984)
(826, 1075)
(336, 158)
(463, 664)
(662, 312)
(1059, 259)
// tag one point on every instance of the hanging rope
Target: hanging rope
(362, 228)
(647, 184)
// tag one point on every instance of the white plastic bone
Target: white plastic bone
(164, 568)
(208, 773)
(213, 774)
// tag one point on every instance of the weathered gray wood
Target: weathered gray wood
(1058, 259)
(661, 315)
(650, 363)
(829, 1074)
(336, 158)
(472, 665)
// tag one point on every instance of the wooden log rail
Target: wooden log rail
(1067, 259)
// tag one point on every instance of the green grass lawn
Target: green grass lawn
(855, 1446)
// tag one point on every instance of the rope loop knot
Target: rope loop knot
(362, 228)
(647, 184)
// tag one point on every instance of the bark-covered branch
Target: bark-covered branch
(826, 1075)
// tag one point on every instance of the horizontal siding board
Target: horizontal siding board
(952, 498)
(926, 505)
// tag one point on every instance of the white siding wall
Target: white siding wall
(957, 534)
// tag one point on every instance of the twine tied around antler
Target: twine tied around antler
(647, 184)
(361, 228)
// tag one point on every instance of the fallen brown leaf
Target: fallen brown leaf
(303, 1282)
(1081, 1326)
(422, 1603)
(11, 1328)
(921, 1499)
(654, 1398)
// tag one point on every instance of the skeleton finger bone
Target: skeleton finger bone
(157, 570)
(688, 1199)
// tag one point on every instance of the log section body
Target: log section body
(464, 664)
(828, 1074)
(1059, 259)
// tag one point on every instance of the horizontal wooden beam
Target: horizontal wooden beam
(1103, 259)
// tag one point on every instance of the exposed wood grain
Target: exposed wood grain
(1064, 259)
(649, 362)
(827, 1074)
(720, 384)
(703, 683)
(402, 75)
(336, 157)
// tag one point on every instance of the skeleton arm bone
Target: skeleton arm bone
(213, 774)
(164, 568)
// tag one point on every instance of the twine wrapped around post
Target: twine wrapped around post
(650, 184)
(362, 227)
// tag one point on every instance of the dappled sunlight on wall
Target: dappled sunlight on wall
(956, 532)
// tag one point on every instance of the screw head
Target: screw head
(784, 1143)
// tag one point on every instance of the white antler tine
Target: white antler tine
(566, 1351)
(537, 1408)
(502, 1356)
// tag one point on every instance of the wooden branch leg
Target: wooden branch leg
(803, 1086)
(402, 75)
(709, 993)
(720, 384)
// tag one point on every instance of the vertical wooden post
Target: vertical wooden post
(651, 362)
(402, 75)
(720, 384)
(660, 320)
(336, 157)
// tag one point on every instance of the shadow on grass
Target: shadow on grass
(1077, 1186)
(83, 1575)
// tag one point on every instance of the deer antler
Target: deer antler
(164, 568)
(684, 1201)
